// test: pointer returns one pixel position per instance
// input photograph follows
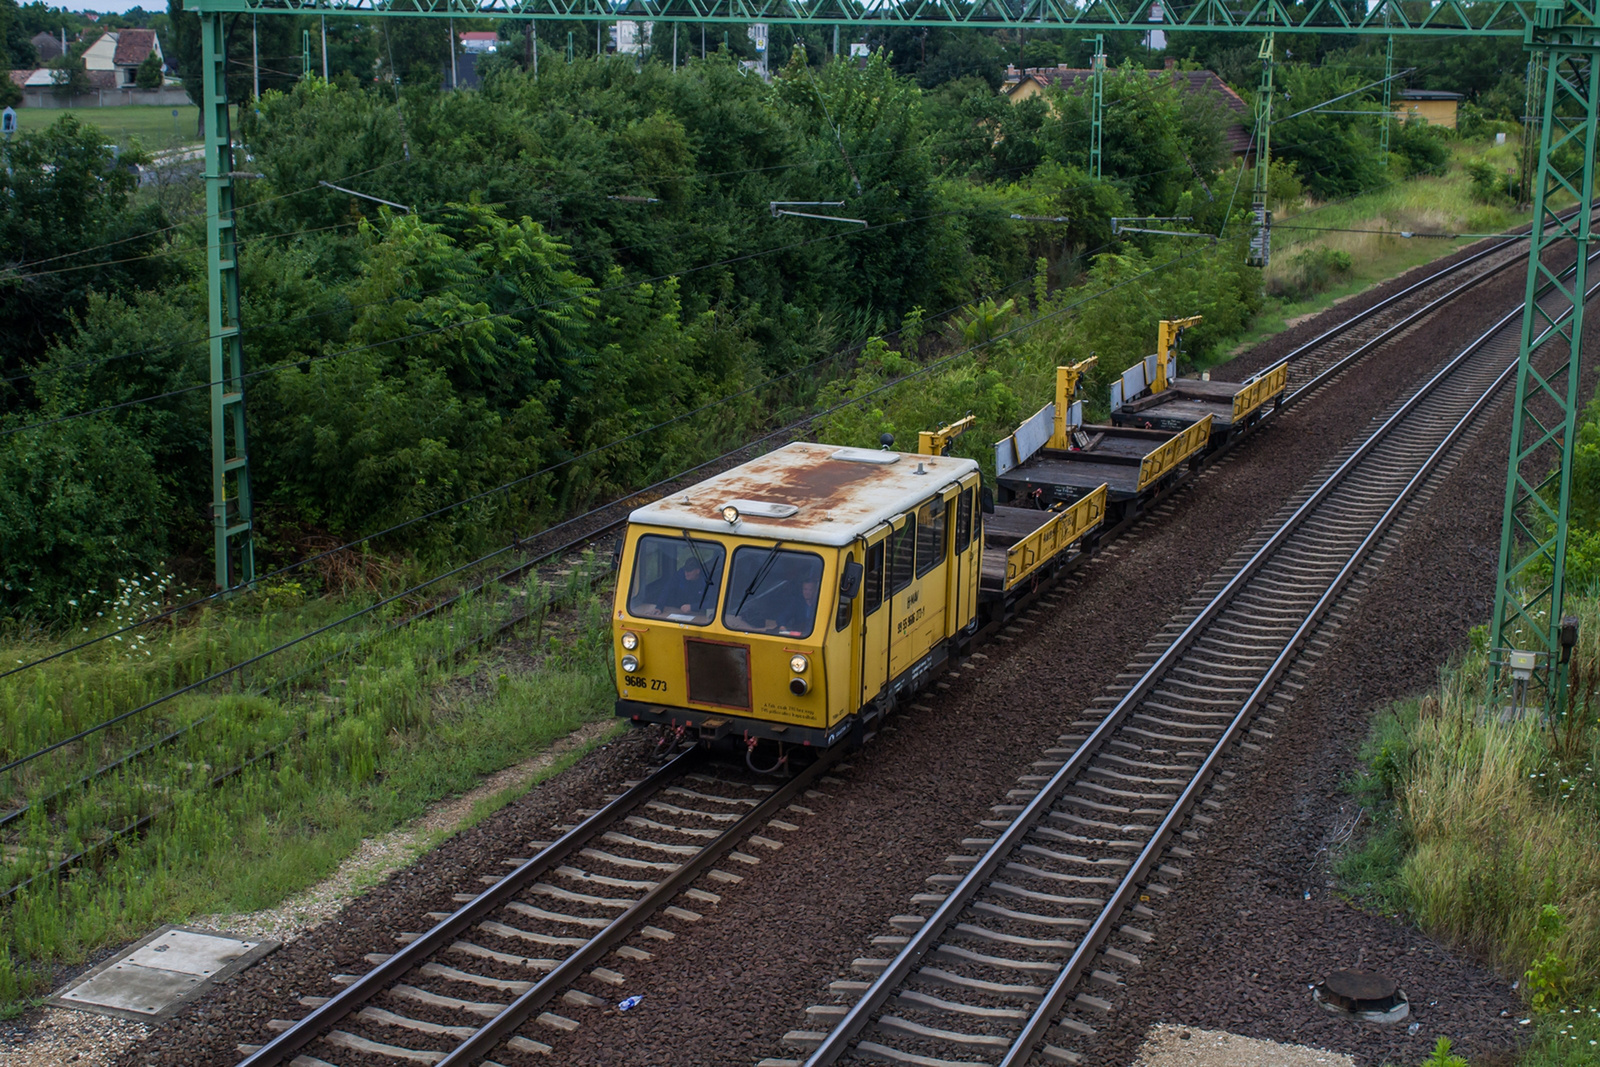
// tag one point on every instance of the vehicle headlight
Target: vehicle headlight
(798, 663)
(630, 640)
(630, 663)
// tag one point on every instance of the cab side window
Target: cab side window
(931, 522)
(872, 584)
(841, 614)
(902, 555)
(964, 521)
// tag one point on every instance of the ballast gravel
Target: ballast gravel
(1179, 1046)
(727, 991)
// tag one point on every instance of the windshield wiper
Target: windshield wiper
(705, 572)
(772, 557)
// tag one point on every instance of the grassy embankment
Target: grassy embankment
(1299, 281)
(1487, 836)
(153, 127)
(374, 724)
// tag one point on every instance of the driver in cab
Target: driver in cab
(785, 603)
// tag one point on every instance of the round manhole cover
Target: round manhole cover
(1363, 994)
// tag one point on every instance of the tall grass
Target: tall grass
(1489, 833)
(332, 741)
(1417, 205)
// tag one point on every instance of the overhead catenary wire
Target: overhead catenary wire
(1151, 87)
(499, 552)
(501, 314)
(484, 494)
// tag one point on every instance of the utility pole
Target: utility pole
(533, 41)
(1531, 640)
(452, 53)
(1388, 105)
(835, 40)
(674, 48)
(1533, 95)
(230, 465)
(1097, 121)
(324, 48)
(569, 46)
(1261, 238)
(255, 57)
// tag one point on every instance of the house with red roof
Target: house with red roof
(114, 58)
(1020, 85)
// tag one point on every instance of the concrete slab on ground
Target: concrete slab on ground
(1184, 1046)
(161, 973)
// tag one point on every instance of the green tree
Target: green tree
(80, 506)
(149, 73)
(69, 77)
(67, 226)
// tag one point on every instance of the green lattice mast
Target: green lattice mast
(1261, 237)
(1533, 534)
(230, 465)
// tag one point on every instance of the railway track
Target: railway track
(483, 981)
(1005, 956)
(492, 975)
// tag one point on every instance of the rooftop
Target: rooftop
(808, 493)
(1190, 81)
(133, 46)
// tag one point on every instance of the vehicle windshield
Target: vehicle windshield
(675, 579)
(773, 591)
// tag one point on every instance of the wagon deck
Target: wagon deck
(1126, 460)
(1017, 541)
(1185, 401)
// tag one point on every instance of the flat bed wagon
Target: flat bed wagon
(1150, 395)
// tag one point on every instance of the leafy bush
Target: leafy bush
(80, 504)
(1425, 148)
(1312, 271)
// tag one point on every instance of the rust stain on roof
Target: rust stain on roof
(840, 493)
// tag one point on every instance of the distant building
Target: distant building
(119, 54)
(48, 46)
(1020, 85)
(1438, 108)
(479, 42)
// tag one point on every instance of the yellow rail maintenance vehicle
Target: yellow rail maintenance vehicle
(796, 598)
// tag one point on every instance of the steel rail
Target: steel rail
(352, 997)
(1082, 958)
(856, 1019)
(502, 1026)
(495, 1031)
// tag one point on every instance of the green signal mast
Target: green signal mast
(1388, 102)
(1261, 232)
(1563, 37)
(1097, 124)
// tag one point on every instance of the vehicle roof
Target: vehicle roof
(838, 494)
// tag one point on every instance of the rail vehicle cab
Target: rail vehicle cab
(798, 596)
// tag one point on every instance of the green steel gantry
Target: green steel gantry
(1562, 36)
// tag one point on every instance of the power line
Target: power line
(275, 368)
(798, 371)
(497, 553)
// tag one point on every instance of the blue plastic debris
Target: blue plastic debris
(631, 1002)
